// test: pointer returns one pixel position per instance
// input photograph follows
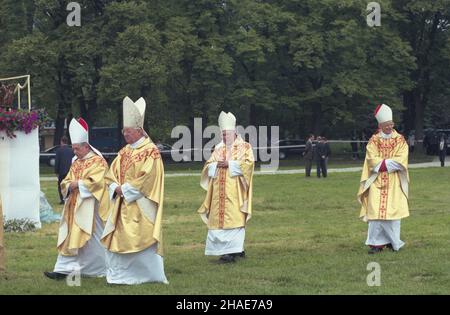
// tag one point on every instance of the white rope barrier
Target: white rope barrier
(299, 146)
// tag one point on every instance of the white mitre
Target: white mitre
(133, 113)
(79, 133)
(383, 113)
(227, 121)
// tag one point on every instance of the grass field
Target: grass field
(304, 238)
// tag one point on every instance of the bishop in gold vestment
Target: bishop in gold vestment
(133, 231)
(383, 191)
(85, 210)
(227, 178)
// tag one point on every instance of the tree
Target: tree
(425, 25)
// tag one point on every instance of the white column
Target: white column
(19, 176)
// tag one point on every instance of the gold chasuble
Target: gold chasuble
(2, 253)
(78, 218)
(384, 195)
(135, 226)
(228, 202)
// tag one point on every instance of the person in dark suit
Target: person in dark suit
(316, 153)
(308, 155)
(354, 145)
(63, 161)
(442, 149)
(323, 151)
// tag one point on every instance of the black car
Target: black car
(165, 150)
(294, 147)
(49, 156)
(105, 139)
(166, 153)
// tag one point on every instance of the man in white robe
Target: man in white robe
(85, 210)
(227, 178)
(133, 231)
(383, 191)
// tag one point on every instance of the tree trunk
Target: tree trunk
(409, 112)
(63, 93)
(59, 124)
(92, 103)
(317, 118)
(30, 11)
(83, 107)
(253, 115)
(88, 110)
(419, 107)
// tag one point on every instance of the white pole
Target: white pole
(29, 92)
(18, 95)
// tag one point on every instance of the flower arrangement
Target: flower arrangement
(19, 225)
(21, 120)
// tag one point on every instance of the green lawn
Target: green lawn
(304, 238)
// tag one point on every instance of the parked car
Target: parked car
(166, 153)
(105, 139)
(165, 150)
(290, 147)
(49, 156)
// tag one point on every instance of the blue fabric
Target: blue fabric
(46, 212)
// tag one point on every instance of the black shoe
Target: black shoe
(55, 275)
(389, 246)
(239, 255)
(227, 258)
(374, 250)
